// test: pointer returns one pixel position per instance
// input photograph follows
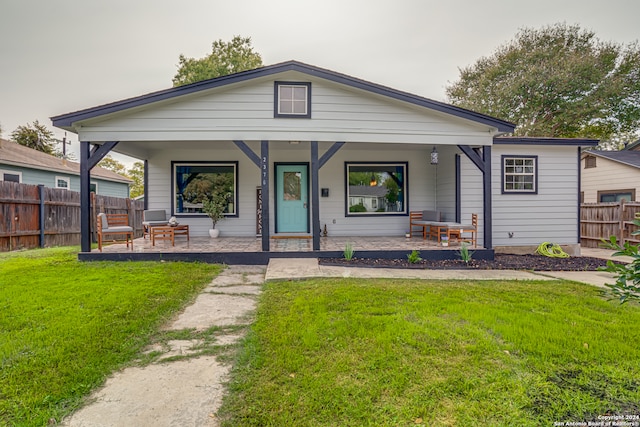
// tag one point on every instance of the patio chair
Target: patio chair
(114, 224)
(151, 218)
(457, 232)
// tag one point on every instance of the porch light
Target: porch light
(373, 181)
(434, 156)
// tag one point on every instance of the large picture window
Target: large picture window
(519, 174)
(193, 182)
(376, 188)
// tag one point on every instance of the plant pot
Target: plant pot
(214, 232)
(407, 235)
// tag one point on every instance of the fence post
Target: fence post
(621, 219)
(129, 216)
(41, 219)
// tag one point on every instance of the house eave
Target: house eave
(600, 155)
(573, 142)
(61, 171)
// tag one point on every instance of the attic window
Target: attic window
(589, 162)
(292, 99)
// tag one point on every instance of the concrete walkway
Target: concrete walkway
(301, 268)
(184, 384)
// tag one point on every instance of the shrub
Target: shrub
(465, 255)
(348, 251)
(357, 208)
(627, 286)
(414, 257)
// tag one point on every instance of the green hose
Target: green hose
(552, 250)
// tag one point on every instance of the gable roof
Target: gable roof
(14, 154)
(633, 146)
(629, 158)
(65, 121)
(367, 190)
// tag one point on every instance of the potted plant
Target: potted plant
(214, 206)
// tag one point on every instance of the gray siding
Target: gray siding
(339, 113)
(552, 214)
(472, 196)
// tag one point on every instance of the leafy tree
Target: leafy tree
(35, 136)
(557, 81)
(113, 165)
(225, 58)
(136, 173)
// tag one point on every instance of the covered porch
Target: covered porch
(248, 250)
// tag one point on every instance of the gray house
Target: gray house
(28, 166)
(285, 139)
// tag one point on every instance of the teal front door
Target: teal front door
(292, 203)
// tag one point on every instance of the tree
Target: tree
(136, 173)
(113, 165)
(35, 136)
(225, 58)
(557, 81)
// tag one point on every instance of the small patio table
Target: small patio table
(167, 232)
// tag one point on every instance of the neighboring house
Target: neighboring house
(28, 166)
(634, 146)
(610, 176)
(283, 141)
(370, 198)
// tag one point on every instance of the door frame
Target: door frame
(275, 192)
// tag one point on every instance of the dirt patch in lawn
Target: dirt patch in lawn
(500, 262)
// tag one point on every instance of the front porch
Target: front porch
(248, 250)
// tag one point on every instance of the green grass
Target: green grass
(348, 352)
(65, 325)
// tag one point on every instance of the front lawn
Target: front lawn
(65, 325)
(348, 352)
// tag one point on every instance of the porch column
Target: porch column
(85, 187)
(88, 159)
(486, 187)
(264, 180)
(315, 196)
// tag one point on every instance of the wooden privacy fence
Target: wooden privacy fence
(602, 220)
(33, 216)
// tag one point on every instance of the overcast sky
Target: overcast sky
(59, 56)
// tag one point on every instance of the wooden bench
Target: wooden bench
(423, 219)
(114, 224)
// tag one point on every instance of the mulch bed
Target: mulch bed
(501, 262)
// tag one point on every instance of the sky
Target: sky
(60, 56)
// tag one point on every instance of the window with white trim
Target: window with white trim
(63, 182)
(292, 99)
(519, 174)
(195, 181)
(11, 176)
(93, 187)
(376, 188)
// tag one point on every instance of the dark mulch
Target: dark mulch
(501, 262)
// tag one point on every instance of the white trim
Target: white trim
(96, 184)
(9, 172)
(66, 179)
